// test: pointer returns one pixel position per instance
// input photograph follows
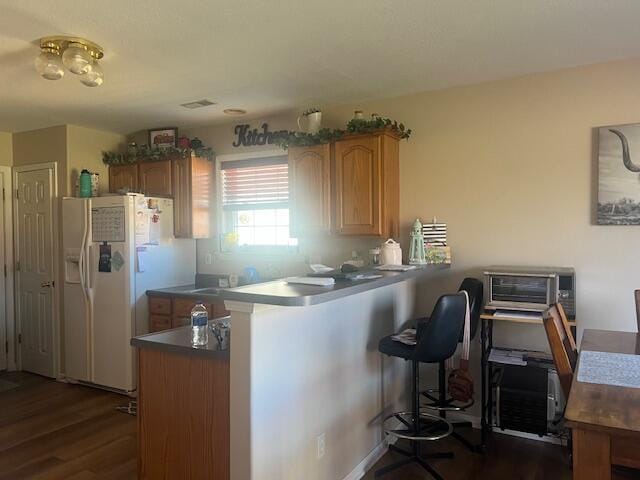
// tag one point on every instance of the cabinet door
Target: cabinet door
(123, 177)
(358, 205)
(182, 197)
(310, 189)
(201, 189)
(219, 310)
(159, 322)
(155, 178)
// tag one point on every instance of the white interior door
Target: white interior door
(35, 189)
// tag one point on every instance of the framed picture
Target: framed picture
(163, 137)
(619, 175)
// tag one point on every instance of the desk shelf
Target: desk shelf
(531, 321)
(486, 336)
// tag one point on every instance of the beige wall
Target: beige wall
(509, 166)
(84, 150)
(6, 149)
(72, 148)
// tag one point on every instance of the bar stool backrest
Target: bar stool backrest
(439, 339)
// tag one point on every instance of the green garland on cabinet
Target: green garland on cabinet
(145, 153)
(354, 126)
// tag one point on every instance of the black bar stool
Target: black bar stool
(436, 341)
(442, 403)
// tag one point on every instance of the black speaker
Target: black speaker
(521, 399)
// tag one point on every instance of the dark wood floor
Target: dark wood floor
(51, 430)
(506, 458)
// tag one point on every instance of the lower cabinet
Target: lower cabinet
(173, 312)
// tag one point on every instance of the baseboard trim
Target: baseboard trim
(369, 461)
(372, 458)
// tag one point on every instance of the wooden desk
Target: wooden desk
(605, 419)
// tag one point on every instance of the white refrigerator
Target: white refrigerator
(115, 249)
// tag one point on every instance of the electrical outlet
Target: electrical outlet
(208, 258)
(321, 441)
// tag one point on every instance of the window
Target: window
(255, 201)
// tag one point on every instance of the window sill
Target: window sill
(266, 254)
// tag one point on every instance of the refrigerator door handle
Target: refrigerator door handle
(89, 268)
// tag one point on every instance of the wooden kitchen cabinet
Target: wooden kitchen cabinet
(123, 177)
(155, 178)
(189, 181)
(159, 322)
(366, 185)
(193, 181)
(310, 189)
(172, 312)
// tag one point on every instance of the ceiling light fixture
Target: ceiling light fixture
(78, 55)
(235, 111)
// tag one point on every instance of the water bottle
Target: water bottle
(199, 321)
(85, 183)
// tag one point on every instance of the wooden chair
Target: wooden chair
(637, 292)
(562, 343)
(560, 317)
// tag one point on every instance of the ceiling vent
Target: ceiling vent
(198, 104)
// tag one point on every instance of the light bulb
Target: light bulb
(94, 77)
(49, 65)
(77, 59)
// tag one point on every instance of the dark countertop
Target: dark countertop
(279, 292)
(183, 291)
(178, 340)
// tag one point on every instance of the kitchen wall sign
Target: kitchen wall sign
(248, 137)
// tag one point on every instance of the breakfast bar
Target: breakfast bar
(297, 350)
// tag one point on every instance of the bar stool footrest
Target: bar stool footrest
(431, 427)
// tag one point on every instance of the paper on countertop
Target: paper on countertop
(395, 268)
(605, 368)
(365, 276)
(319, 268)
(408, 337)
(317, 281)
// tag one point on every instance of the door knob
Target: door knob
(47, 284)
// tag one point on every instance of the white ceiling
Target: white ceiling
(269, 56)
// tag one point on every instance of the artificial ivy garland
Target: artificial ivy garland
(145, 153)
(354, 126)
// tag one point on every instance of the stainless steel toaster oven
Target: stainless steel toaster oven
(530, 289)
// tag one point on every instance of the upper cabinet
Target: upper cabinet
(123, 177)
(189, 181)
(358, 186)
(310, 189)
(193, 180)
(155, 178)
(350, 187)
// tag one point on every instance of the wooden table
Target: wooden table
(605, 419)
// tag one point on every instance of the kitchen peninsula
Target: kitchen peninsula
(300, 355)
(308, 388)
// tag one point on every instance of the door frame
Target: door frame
(6, 238)
(55, 249)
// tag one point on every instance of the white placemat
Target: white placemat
(619, 369)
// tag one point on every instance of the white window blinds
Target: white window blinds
(255, 184)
